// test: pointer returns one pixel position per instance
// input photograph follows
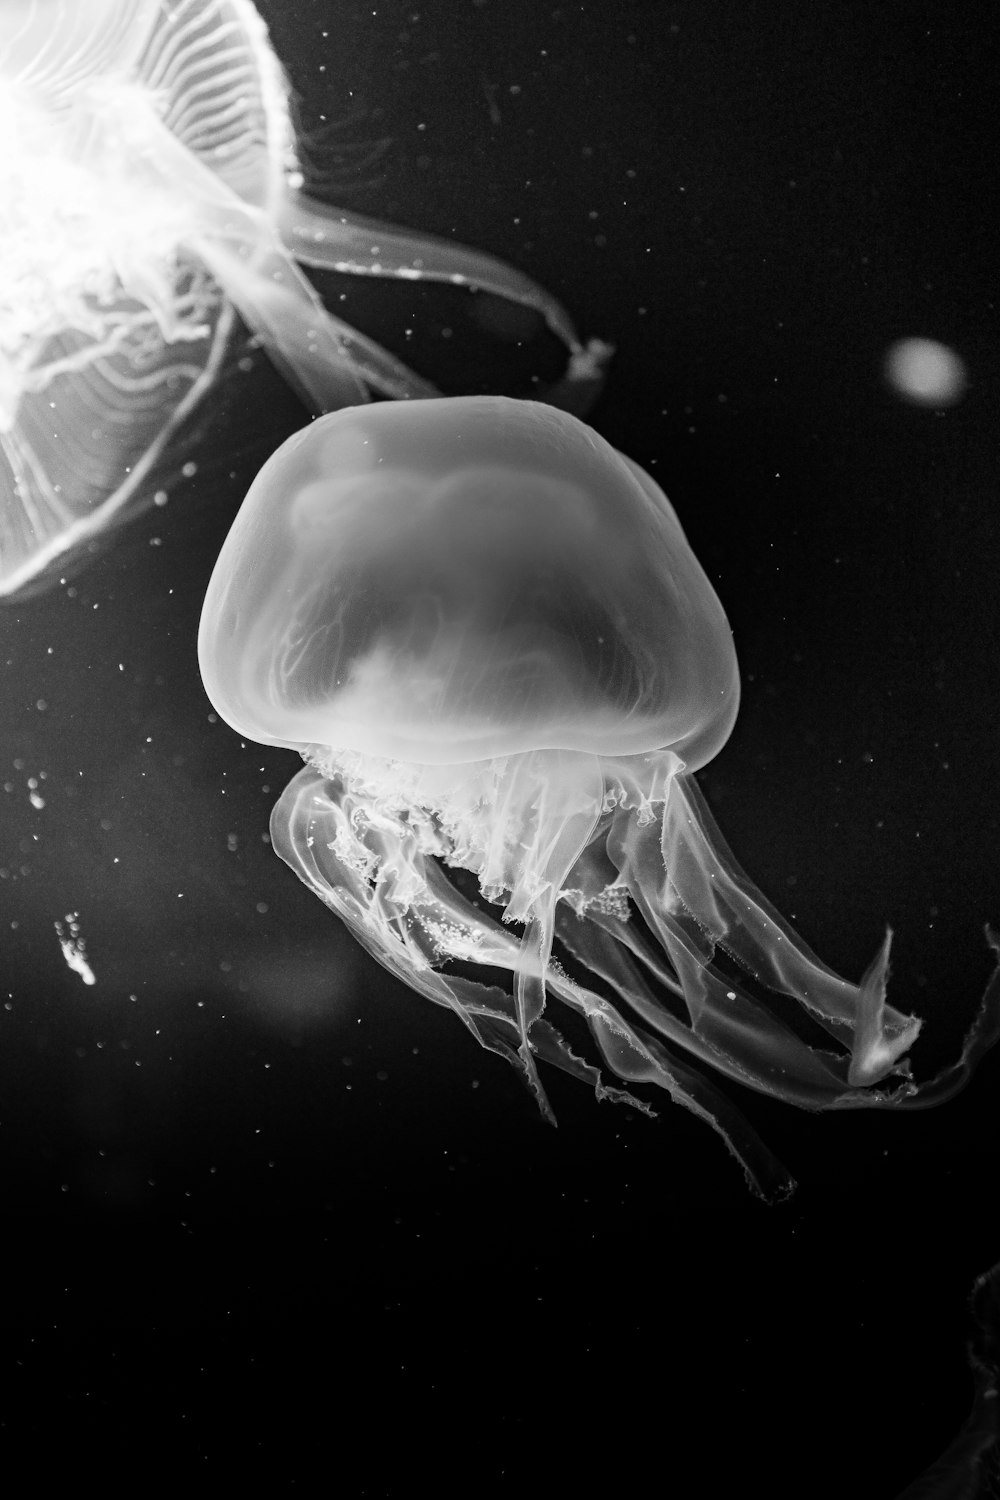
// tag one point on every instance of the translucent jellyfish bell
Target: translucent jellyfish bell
(486, 634)
(150, 191)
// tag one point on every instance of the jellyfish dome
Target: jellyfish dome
(152, 194)
(479, 580)
(486, 634)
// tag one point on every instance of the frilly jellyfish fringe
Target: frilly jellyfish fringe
(151, 193)
(486, 634)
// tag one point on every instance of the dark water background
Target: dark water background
(261, 1202)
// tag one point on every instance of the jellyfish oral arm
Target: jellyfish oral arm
(699, 903)
(238, 243)
(410, 917)
(330, 364)
(322, 238)
(402, 907)
(255, 259)
(329, 240)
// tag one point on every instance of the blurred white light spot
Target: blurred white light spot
(925, 372)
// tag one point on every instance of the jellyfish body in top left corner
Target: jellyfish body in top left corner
(150, 194)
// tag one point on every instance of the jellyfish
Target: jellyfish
(152, 194)
(484, 631)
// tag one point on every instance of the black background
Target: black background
(262, 1203)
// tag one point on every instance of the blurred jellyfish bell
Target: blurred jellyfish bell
(486, 634)
(150, 192)
(925, 372)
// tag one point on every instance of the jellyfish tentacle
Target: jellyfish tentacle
(240, 245)
(329, 240)
(734, 1035)
(633, 1054)
(415, 926)
(878, 1043)
(556, 793)
(704, 880)
(733, 1030)
(311, 829)
(982, 1034)
(532, 962)
(412, 931)
(329, 363)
